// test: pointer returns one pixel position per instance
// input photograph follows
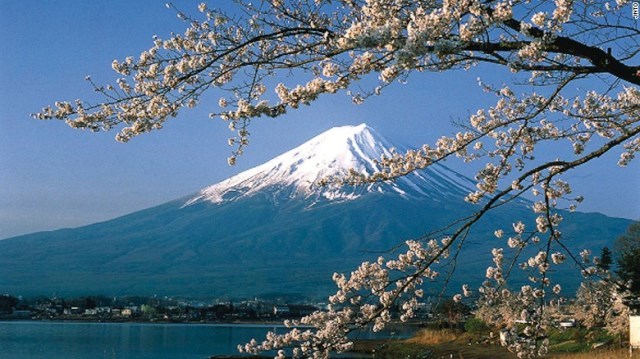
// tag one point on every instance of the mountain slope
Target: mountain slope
(269, 229)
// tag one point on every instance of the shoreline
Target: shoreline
(391, 327)
(279, 323)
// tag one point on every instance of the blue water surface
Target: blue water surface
(72, 340)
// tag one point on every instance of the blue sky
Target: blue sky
(53, 177)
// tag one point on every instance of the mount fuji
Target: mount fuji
(296, 173)
(270, 229)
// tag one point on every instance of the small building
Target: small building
(568, 323)
(130, 311)
(281, 310)
(103, 310)
(73, 311)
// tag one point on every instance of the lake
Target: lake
(70, 340)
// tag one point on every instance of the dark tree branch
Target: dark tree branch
(602, 60)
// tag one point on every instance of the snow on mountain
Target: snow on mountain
(296, 173)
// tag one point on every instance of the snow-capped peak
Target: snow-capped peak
(297, 172)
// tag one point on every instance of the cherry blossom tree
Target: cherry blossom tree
(599, 303)
(360, 47)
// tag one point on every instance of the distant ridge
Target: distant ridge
(271, 229)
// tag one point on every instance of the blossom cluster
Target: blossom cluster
(346, 42)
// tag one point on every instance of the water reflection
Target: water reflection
(35, 340)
